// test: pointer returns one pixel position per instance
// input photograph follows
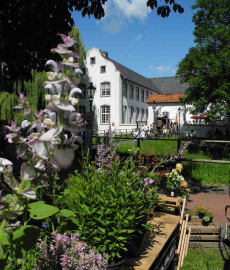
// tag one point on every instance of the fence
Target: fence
(121, 136)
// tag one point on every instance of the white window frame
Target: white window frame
(124, 115)
(142, 95)
(124, 91)
(131, 92)
(106, 119)
(137, 94)
(106, 93)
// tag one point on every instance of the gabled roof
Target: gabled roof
(170, 98)
(132, 76)
(170, 85)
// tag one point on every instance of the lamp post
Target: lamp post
(154, 106)
(91, 91)
(179, 110)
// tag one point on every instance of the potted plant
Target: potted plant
(111, 207)
(210, 215)
(201, 213)
(205, 220)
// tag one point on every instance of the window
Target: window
(124, 115)
(102, 69)
(82, 110)
(142, 114)
(147, 94)
(105, 89)
(137, 114)
(131, 92)
(83, 89)
(92, 60)
(105, 114)
(124, 89)
(137, 93)
(131, 115)
(142, 95)
(147, 114)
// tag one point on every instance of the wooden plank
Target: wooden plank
(204, 244)
(204, 237)
(196, 218)
(163, 225)
(181, 250)
(182, 212)
(202, 229)
(189, 233)
(207, 161)
(184, 249)
(181, 234)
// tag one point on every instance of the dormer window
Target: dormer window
(92, 60)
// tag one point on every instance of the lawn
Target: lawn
(205, 259)
(205, 173)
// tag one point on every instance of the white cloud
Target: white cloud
(137, 38)
(163, 68)
(120, 12)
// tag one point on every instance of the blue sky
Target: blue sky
(136, 37)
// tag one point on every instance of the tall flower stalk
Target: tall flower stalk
(45, 148)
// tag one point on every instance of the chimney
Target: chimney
(105, 54)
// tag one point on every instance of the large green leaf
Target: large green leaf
(66, 213)
(5, 239)
(40, 210)
(24, 239)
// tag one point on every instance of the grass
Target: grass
(205, 259)
(205, 173)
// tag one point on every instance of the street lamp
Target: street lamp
(179, 110)
(91, 91)
(154, 106)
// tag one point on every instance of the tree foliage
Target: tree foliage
(28, 29)
(206, 67)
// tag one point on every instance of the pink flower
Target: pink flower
(151, 181)
(146, 183)
(145, 179)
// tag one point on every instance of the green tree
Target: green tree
(206, 67)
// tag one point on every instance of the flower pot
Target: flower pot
(135, 246)
(116, 266)
(201, 215)
(173, 193)
(205, 223)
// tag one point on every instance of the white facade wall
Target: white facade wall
(116, 100)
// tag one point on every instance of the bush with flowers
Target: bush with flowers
(176, 182)
(45, 150)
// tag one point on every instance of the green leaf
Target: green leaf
(66, 213)
(5, 239)
(40, 210)
(24, 239)
(101, 229)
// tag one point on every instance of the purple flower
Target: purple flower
(43, 225)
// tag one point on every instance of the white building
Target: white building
(121, 93)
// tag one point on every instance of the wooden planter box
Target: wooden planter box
(203, 236)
